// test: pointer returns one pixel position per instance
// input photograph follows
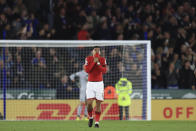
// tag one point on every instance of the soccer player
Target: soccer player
(83, 76)
(95, 66)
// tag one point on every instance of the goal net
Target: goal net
(40, 80)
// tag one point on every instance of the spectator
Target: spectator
(61, 25)
(177, 62)
(64, 90)
(172, 77)
(170, 25)
(157, 78)
(102, 32)
(8, 64)
(187, 80)
(39, 70)
(127, 60)
(93, 19)
(81, 19)
(47, 33)
(83, 34)
(19, 77)
(120, 71)
(52, 63)
(38, 60)
(113, 62)
(135, 76)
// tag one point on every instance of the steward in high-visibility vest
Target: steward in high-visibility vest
(123, 90)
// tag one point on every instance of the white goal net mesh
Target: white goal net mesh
(40, 80)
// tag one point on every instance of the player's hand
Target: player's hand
(94, 52)
(96, 60)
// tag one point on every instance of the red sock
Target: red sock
(90, 114)
(97, 116)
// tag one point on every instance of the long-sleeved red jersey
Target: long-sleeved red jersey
(95, 71)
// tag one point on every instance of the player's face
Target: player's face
(96, 50)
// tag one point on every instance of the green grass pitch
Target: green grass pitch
(105, 125)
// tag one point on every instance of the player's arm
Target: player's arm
(103, 67)
(72, 76)
(89, 65)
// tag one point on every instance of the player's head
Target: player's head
(64, 79)
(96, 50)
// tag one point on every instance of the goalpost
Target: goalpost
(35, 82)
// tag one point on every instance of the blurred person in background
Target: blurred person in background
(172, 77)
(39, 70)
(64, 90)
(83, 34)
(177, 62)
(157, 78)
(52, 63)
(187, 78)
(113, 60)
(61, 24)
(83, 77)
(8, 64)
(124, 90)
(135, 76)
(19, 78)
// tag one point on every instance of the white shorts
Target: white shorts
(95, 90)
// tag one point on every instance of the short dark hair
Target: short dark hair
(96, 47)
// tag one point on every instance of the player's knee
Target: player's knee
(82, 103)
(89, 102)
(98, 103)
(89, 107)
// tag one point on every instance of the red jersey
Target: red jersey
(95, 71)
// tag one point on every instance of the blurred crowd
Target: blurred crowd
(169, 24)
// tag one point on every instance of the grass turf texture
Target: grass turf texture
(104, 126)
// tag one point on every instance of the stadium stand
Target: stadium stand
(170, 25)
